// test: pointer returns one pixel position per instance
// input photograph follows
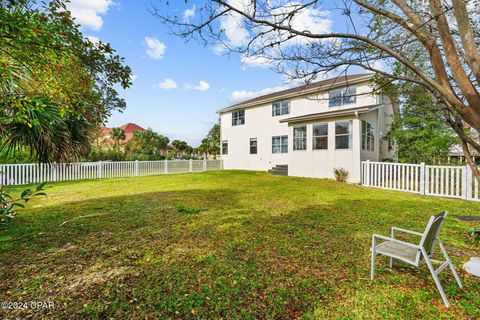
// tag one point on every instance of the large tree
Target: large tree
(298, 39)
(56, 86)
(146, 145)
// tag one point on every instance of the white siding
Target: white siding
(260, 124)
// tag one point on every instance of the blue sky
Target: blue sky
(177, 85)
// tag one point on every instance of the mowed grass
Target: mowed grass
(227, 244)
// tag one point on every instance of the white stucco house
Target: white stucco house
(308, 130)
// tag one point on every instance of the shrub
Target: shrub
(8, 204)
(475, 233)
(341, 175)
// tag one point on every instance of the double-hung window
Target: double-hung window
(253, 146)
(342, 97)
(280, 108)
(368, 136)
(225, 147)
(320, 136)
(343, 134)
(238, 117)
(300, 138)
(280, 144)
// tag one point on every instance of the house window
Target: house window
(253, 146)
(280, 144)
(225, 147)
(368, 136)
(320, 136)
(343, 136)
(300, 138)
(280, 108)
(342, 97)
(238, 117)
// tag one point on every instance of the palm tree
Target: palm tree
(117, 134)
(45, 132)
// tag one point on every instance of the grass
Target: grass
(227, 244)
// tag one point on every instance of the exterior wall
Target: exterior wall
(260, 124)
(321, 163)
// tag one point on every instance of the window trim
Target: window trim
(235, 119)
(282, 138)
(319, 136)
(344, 95)
(281, 107)
(224, 142)
(304, 138)
(256, 145)
(368, 136)
(349, 134)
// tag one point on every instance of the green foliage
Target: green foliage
(53, 81)
(117, 134)
(102, 154)
(421, 134)
(475, 233)
(146, 145)
(181, 147)
(9, 205)
(211, 143)
(341, 175)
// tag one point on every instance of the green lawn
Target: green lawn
(226, 244)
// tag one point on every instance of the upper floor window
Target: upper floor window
(253, 146)
(320, 136)
(280, 108)
(343, 134)
(280, 144)
(225, 147)
(238, 117)
(368, 136)
(300, 138)
(342, 97)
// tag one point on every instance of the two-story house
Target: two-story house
(310, 129)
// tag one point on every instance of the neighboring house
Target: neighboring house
(312, 129)
(129, 128)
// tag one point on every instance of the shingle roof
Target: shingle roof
(301, 90)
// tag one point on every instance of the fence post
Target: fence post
(100, 170)
(422, 178)
(427, 180)
(204, 165)
(190, 165)
(464, 182)
(136, 168)
(469, 182)
(367, 173)
(165, 168)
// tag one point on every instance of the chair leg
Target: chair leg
(374, 254)
(391, 262)
(452, 267)
(435, 279)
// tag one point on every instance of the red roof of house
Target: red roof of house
(129, 129)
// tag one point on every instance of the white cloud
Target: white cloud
(201, 86)
(93, 39)
(155, 48)
(242, 95)
(88, 13)
(133, 77)
(167, 84)
(188, 13)
(256, 61)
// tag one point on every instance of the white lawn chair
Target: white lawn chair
(414, 254)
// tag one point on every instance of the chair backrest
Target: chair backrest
(431, 231)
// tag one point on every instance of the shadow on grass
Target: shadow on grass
(140, 255)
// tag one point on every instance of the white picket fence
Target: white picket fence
(21, 174)
(442, 181)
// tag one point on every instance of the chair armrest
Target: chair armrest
(406, 231)
(375, 236)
